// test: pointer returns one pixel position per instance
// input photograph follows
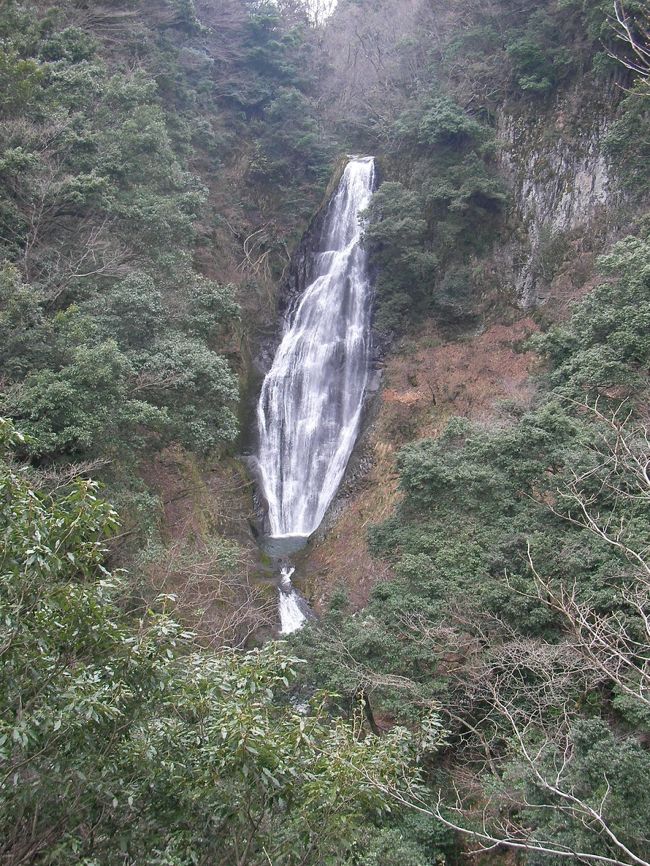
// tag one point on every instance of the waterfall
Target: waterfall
(310, 407)
(292, 607)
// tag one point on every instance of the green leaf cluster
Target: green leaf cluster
(121, 741)
(424, 229)
(111, 341)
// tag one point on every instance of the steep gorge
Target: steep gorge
(455, 419)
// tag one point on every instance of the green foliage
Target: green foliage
(19, 80)
(498, 478)
(414, 840)
(21, 316)
(124, 378)
(627, 804)
(274, 88)
(269, 45)
(467, 201)
(594, 13)
(604, 349)
(80, 407)
(532, 68)
(539, 63)
(291, 140)
(457, 292)
(396, 237)
(111, 341)
(439, 121)
(466, 621)
(627, 140)
(440, 206)
(531, 52)
(196, 386)
(122, 742)
(71, 45)
(114, 343)
(132, 310)
(449, 209)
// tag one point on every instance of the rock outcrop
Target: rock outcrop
(562, 185)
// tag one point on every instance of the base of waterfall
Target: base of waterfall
(294, 611)
(282, 547)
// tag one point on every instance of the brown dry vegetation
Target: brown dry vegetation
(199, 499)
(466, 377)
(342, 558)
(208, 559)
(425, 383)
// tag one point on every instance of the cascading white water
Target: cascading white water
(292, 615)
(310, 406)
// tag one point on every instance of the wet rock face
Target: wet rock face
(299, 275)
(561, 183)
(301, 270)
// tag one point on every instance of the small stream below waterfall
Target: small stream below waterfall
(310, 406)
(292, 607)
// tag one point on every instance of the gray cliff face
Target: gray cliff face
(562, 186)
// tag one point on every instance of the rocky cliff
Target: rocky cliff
(566, 200)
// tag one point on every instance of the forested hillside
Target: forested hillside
(156, 168)
(476, 681)
(506, 582)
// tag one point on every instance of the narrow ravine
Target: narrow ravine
(310, 406)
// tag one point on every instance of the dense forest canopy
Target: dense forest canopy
(159, 162)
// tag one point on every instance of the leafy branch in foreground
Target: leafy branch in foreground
(123, 742)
